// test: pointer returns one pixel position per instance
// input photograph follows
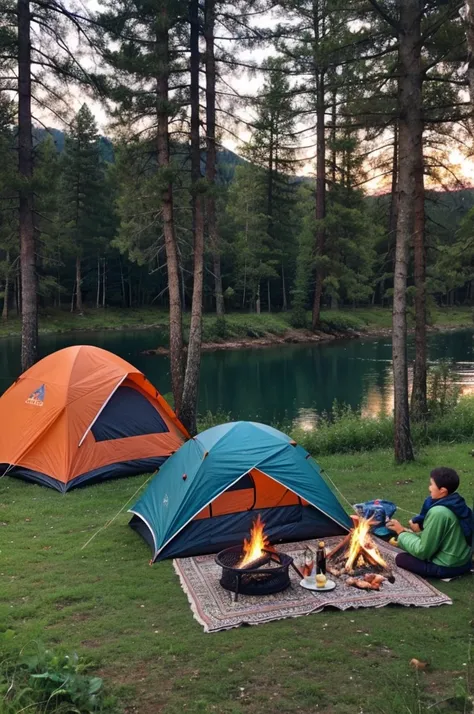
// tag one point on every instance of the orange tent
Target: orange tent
(83, 414)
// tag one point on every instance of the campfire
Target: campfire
(357, 555)
(255, 567)
(257, 547)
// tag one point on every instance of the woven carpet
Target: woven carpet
(214, 608)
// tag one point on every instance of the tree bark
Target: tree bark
(320, 166)
(418, 394)
(409, 38)
(97, 300)
(29, 300)
(214, 238)
(188, 411)
(6, 293)
(334, 139)
(284, 306)
(104, 282)
(163, 153)
(393, 212)
(469, 19)
(79, 307)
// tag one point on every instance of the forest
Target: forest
(260, 155)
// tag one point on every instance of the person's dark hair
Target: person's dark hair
(445, 478)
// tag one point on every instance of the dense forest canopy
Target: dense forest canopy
(119, 270)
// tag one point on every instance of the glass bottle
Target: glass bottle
(321, 558)
(308, 563)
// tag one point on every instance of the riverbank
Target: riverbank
(238, 330)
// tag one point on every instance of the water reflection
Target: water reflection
(294, 383)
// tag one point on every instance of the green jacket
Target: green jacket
(441, 540)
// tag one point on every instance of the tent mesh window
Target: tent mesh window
(127, 413)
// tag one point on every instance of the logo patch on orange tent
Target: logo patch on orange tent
(37, 397)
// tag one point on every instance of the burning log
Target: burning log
(357, 551)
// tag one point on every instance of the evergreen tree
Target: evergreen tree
(272, 147)
(81, 191)
(254, 258)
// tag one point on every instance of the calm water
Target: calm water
(290, 383)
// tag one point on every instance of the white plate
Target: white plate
(311, 585)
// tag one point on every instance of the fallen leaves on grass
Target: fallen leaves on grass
(418, 664)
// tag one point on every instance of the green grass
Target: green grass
(134, 622)
(235, 325)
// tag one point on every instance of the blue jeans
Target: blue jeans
(427, 569)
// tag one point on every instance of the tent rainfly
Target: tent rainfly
(83, 415)
(206, 496)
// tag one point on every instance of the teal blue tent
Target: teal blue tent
(205, 497)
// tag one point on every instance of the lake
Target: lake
(291, 383)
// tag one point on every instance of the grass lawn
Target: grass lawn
(237, 325)
(134, 621)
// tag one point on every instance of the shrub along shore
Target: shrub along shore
(239, 329)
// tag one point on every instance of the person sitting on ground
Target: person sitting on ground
(439, 542)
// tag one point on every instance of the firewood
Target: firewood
(362, 584)
(345, 541)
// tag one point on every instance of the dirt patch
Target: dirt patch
(91, 644)
(290, 337)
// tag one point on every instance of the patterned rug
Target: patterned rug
(214, 608)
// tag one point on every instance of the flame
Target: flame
(258, 541)
(362, 544)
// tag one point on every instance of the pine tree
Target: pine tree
(147, 90)
(247, 209)
(8, 212)
(38, 58)
(273, 148)
(82, 181)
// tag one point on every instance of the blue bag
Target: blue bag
(380, 511)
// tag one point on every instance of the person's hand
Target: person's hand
(415, 527)
(396, 526)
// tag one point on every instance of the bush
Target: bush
(340, 321)
(299, 318)
(51, 683)
(442, 391)
(208, 419)
(347, 431)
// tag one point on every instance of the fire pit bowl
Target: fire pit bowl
(264, 576)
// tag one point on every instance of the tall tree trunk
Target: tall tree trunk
(257, 300)
(104, 282)
(29, 304)
(318, 15)
(284, 306)
(6, 293)
(418, 394)
(320, 198)
(214, 238)
(469, 19)
(122, 282)
(163, 153)
(393, 212)
(409, 111)
(18, 294)
(188, 411)
(79, 307)
(97, 300)
(334, 138)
